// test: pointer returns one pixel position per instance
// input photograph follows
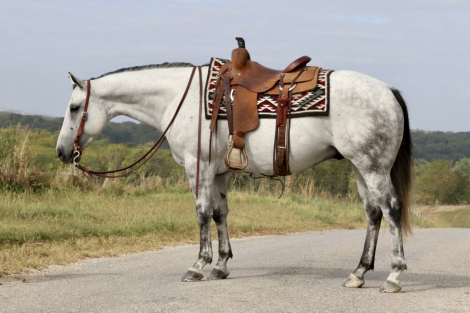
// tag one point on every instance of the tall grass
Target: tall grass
(28, 163)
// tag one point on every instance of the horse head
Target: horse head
(95, 117)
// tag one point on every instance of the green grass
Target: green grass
(65, 215)
(59, 227)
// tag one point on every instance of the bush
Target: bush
(438, 182)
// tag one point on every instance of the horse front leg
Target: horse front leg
(204, 211)
(220, 271)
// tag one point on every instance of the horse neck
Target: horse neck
(148, 96)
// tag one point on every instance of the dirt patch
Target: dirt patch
(22, 278)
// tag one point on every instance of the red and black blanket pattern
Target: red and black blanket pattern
(312, 103)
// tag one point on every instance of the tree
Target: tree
(464, 165)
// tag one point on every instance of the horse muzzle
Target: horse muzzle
(67, 158)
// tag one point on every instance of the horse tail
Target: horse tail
(402, 170)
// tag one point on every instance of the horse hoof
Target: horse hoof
(390, 286)
(353, 282)
(192, 275)
(218, 274)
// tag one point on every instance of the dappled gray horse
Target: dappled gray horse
(368, 124)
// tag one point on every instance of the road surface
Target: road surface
(293, 273)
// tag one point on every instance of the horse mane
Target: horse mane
(148, 67)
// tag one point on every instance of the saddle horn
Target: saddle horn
(241, 42)
(240, 55)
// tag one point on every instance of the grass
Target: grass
(456, 218)
(446, 215)
(60, 227)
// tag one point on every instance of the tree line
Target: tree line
(126, 132)
(428, 145)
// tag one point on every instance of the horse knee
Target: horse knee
(204, 218)
(204, 212)
(219, 215)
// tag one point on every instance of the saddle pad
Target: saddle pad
(311, 103)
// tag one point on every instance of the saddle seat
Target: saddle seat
(260, 79)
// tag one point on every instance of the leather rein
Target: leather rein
(129, 169)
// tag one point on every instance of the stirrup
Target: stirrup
(235, 158)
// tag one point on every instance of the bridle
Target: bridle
(77, 151)
(129, 169)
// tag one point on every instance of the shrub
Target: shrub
(438, 182)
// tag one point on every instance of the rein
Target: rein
(129, 169)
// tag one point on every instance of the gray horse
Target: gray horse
(368, 124)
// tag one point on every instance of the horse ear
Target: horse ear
(75, 81)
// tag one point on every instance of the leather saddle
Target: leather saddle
(239, 82)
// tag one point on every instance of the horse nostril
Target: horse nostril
(60, 154)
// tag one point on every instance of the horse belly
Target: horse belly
(310, 144)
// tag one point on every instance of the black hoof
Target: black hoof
(191, 276)
(218, 274)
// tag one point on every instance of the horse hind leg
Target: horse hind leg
(382, 191)
(220, 270)
(392, 213)
(374, 218)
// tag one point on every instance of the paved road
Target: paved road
(293, 273)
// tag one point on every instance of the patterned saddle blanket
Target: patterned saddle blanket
(311, 103)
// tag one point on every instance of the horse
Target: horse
(368, 124)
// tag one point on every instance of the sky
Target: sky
(421, 47)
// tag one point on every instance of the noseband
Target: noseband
(129, 169)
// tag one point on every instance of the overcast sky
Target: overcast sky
(422, 47)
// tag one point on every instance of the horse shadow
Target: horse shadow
(373, 278)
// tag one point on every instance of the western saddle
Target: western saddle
(241, 80)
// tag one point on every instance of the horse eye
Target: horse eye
(74, 108)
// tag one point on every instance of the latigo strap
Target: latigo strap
(283, 121)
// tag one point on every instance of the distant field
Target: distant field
(449, 215)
